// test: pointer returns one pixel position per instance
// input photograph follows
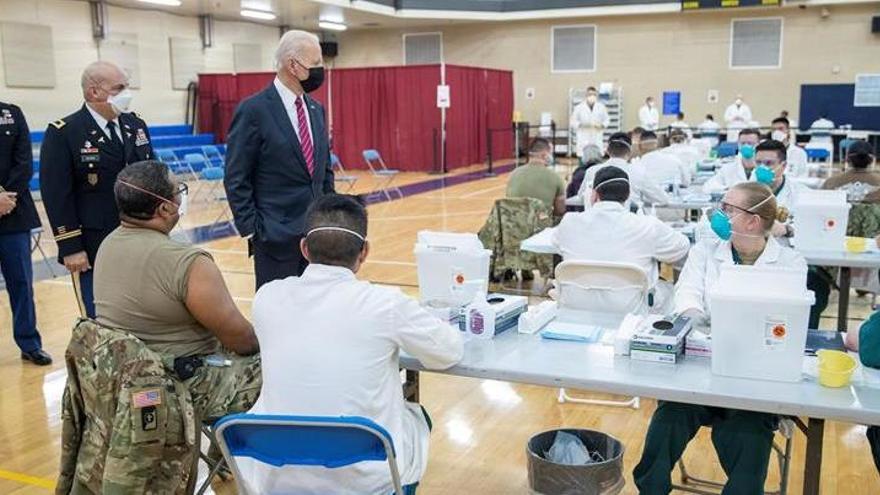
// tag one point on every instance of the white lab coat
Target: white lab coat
(821, 136)
(729, 175)
(736, 118)
(589, 124)
(610, 232)
(703, 267)
(642, 188)
(330, 346)
(649, 118)
(710, 130)
(665, 167)
(797, 162)
(688, 154)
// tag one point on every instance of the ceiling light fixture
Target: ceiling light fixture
(332, 26)
(167, 3)
(258, 14)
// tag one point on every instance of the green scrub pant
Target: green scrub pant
(742, 439)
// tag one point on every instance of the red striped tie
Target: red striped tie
(305, 139)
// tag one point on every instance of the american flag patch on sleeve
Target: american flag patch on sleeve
(146, 398)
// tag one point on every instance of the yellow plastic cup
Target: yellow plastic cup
(835, 368)
(856, 244)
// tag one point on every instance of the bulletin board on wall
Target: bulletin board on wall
(836, 101)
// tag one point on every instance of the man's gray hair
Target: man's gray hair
(95, 73)
(291, 44)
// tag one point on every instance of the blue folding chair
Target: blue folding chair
(332, 442)
(213, 155)
(339, 174)
(168, 157)
(726, 150)
(381, 172)
(818, 154)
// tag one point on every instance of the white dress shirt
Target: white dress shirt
(703, 266)
(102, 124)
(610, 232)
(289, 100)
(642, 188)
(797, 162)
(729, 175)
(330, 345)
(649, 117)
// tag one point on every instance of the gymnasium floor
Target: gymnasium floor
(481, 426)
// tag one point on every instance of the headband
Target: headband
(337, 229)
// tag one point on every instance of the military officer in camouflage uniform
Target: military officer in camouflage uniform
(79, 160)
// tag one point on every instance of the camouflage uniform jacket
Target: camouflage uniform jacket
(512, 221)
(128, 426)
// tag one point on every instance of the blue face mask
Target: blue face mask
(764, 175)
(720, 223)
(747, 151)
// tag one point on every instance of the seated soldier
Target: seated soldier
(330, 348)
(172, 296)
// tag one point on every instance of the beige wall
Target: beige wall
(652, 53)
(74, 49)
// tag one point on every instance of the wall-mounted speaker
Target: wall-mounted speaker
(875, 24)
(329, 49)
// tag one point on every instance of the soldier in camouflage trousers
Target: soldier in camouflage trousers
(512, 221)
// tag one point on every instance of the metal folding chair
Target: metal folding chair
(216, 467)
(608, 287)
(380, 171)
(213, 155)
(339, 174)
(200, 167)
(331, 442)
(178, 167)
(692, 484)
(36, 235)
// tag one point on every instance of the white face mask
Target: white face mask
(739, 102)
(591, 99)
(184, 204)
(121, 101)
(779, 136)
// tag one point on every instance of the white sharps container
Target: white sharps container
(452, 268)
(759, 322)
(820, 220)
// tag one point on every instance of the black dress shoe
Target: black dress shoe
(38, 357)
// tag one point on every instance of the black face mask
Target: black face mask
(314, 81)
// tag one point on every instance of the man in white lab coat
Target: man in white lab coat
(642, 188)
(797, 157)
(740, 169)
(821, 135)
(588, 121)
(608, 231)
(737, 117)
(663, 166)
(770, 170)
(709, 130)
(649, 117)
(680, 147)
(330, 345)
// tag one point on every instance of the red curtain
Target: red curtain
(391, 109)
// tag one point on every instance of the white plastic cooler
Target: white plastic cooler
(820, 220)
(759, 322)
(452, 267)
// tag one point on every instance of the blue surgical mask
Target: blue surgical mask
(747, 151)
(764, 175)
(720, 223)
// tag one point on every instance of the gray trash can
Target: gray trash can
(601, 478)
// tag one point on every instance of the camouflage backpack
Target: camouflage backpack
(128, 426)
(512, 221)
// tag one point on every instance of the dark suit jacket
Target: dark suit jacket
(267, 180)
(16, 169)
(78, 168)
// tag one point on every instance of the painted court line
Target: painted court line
(27, 479)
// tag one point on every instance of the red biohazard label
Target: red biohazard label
(830, 223)
(459, 279)
(779, 331)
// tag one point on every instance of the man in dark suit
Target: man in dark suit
(80, 158)
(278, 159)
(17, 217)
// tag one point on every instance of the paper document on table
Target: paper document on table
(577, 332)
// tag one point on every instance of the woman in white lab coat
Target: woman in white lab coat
(589, 120)
(742, 439)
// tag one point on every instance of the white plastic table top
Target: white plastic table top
(529, 359)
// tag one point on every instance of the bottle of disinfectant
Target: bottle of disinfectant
(479, 318)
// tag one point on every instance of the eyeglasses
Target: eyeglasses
(182, 188)
(768, 163)
(728, 208)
